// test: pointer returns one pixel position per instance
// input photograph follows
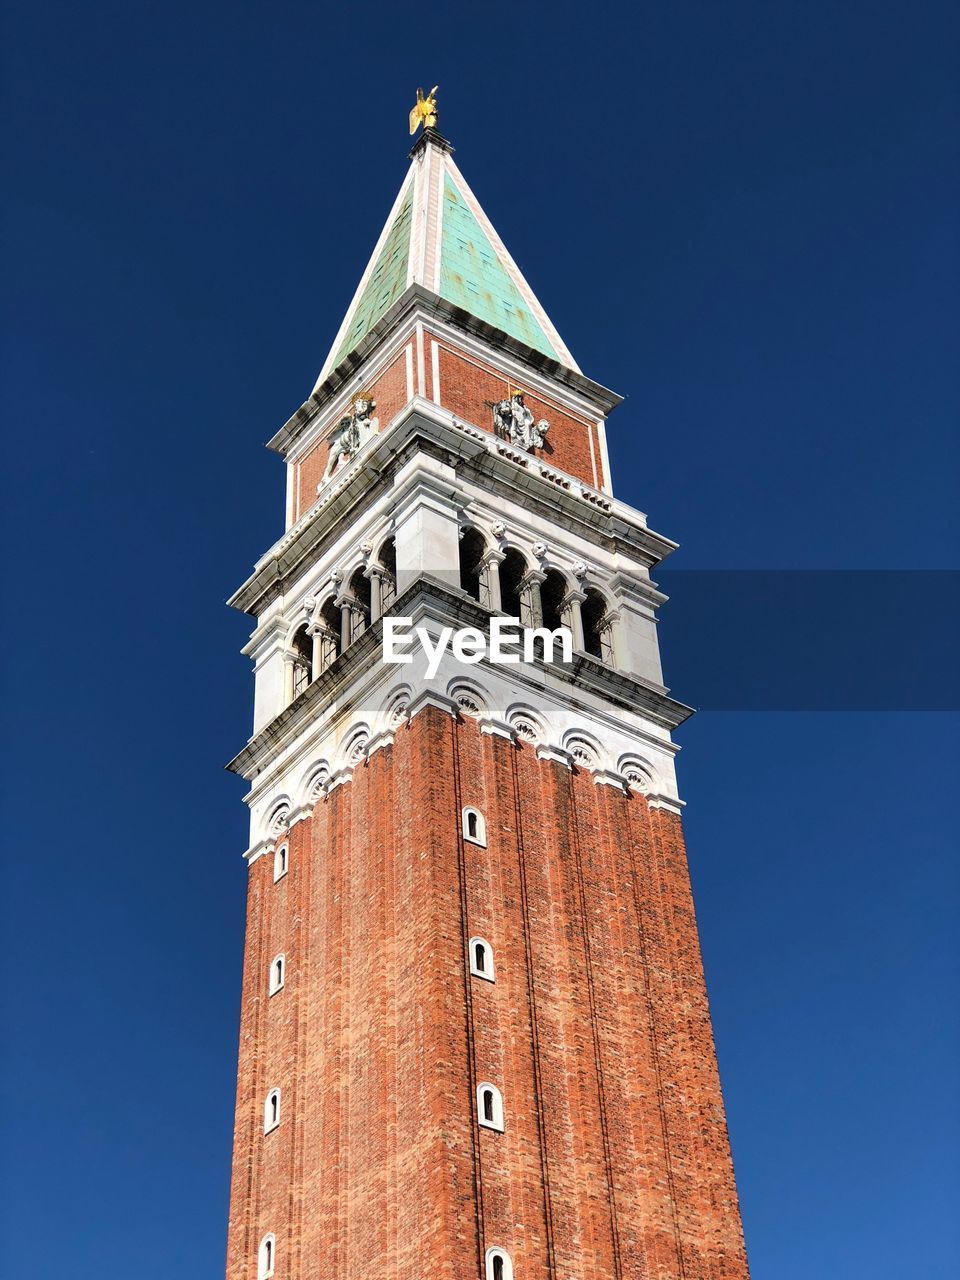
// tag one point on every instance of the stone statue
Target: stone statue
(514, 422)
(351, 433)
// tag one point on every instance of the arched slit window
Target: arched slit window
(271, 1110)
(302, 660)
(512, 570)
(280, 859)
(490, 1107)
(481, 959)
(278, 973)
(596, 628)
(472, 549)
(498, 1265)
(266, 1257)
(474, 827)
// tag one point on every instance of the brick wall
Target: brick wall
(389, 390)
(614, 1161)
(466, 385)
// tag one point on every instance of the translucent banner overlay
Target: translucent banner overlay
(844, 640)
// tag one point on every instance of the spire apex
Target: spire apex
(437, 237)
(431, 137)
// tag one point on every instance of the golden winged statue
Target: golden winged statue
(425, 111)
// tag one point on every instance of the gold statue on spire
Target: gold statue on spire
(425, 111)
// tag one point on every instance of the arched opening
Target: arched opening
(552, 591)
(388, 580)
(302, 660)
(360, 609)
(271, 1111)
(265, 1258)
(278, 973)
(512, 571)
(472, 549)
(481, 959)
(474, 827)
(280, 863)
(333, 633)
(490, 1107)
(593, 614)
(497, 1265)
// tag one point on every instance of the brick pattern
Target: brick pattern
(466, 385)
(614, 1162)
(390, 392)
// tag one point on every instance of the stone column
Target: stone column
(531, 613)
(490, 581)
(375, 575)
(570, 614)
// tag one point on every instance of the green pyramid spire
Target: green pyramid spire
(438, 237)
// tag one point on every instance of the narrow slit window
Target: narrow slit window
(481, 959)
(266, 1256)
(271, 1111)
(474, 827)
(278, 974)
(498, 1265)
(280, 863)
(490, 1107)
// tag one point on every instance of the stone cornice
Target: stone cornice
(429, 599)
(425, 426)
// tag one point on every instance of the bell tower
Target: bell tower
(474, 1036)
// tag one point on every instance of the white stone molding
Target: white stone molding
(637, 773)
(609, 778)
(497, 728)
(277, 821)
(670, 803)
(470, 697)
(480, 955)
(527, 723)
(585, 751)
(549, 751)
(354, 749)
(432, 698)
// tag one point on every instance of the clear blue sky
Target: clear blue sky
(743, 216)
